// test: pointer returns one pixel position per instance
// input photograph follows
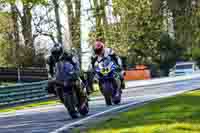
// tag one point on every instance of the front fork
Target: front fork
(116, 83)
(80, 93)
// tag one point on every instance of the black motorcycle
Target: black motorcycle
(70, 89)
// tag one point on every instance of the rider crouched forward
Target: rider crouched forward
(101, 52)
(58, 55)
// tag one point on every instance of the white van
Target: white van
(184, 68)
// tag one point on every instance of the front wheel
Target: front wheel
(70, 104)
(108, 99)
(106, 89)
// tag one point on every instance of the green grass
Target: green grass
(7, 83)
(178, 114)
(95, 93)
(28, 106)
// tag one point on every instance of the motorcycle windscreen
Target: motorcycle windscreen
(107, 61)
(64, 71)
(105, 68)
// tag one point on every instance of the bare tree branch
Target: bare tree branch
(17, 11)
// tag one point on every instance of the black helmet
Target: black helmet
(57, 51)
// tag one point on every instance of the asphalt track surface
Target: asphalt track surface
(55, 118)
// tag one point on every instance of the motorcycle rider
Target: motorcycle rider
(59, 54)
(100, 51)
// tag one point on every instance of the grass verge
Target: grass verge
(95, 93)
(4, 84)
(28, 106)
(178, 114)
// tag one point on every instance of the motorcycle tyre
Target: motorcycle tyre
(69, 102)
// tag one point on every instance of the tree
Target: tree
(139, 34)
(170, 53)
(99, 13)
(58, 24)
(185, 14)
(74, 21)
(22, 19)
(7, 39)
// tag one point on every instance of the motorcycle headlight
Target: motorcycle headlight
(105, 71)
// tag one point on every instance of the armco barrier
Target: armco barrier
(158, 81)
(23, 93)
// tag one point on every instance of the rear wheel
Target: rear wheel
(117, 100)
(117, 91)
(59, 93)
(73, 115)
(117, 97)
(51, 88)
(85, 109)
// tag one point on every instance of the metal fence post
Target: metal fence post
(18, 75)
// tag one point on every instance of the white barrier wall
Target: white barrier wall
(132, 84)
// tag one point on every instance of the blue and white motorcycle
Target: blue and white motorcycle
(109, 80)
